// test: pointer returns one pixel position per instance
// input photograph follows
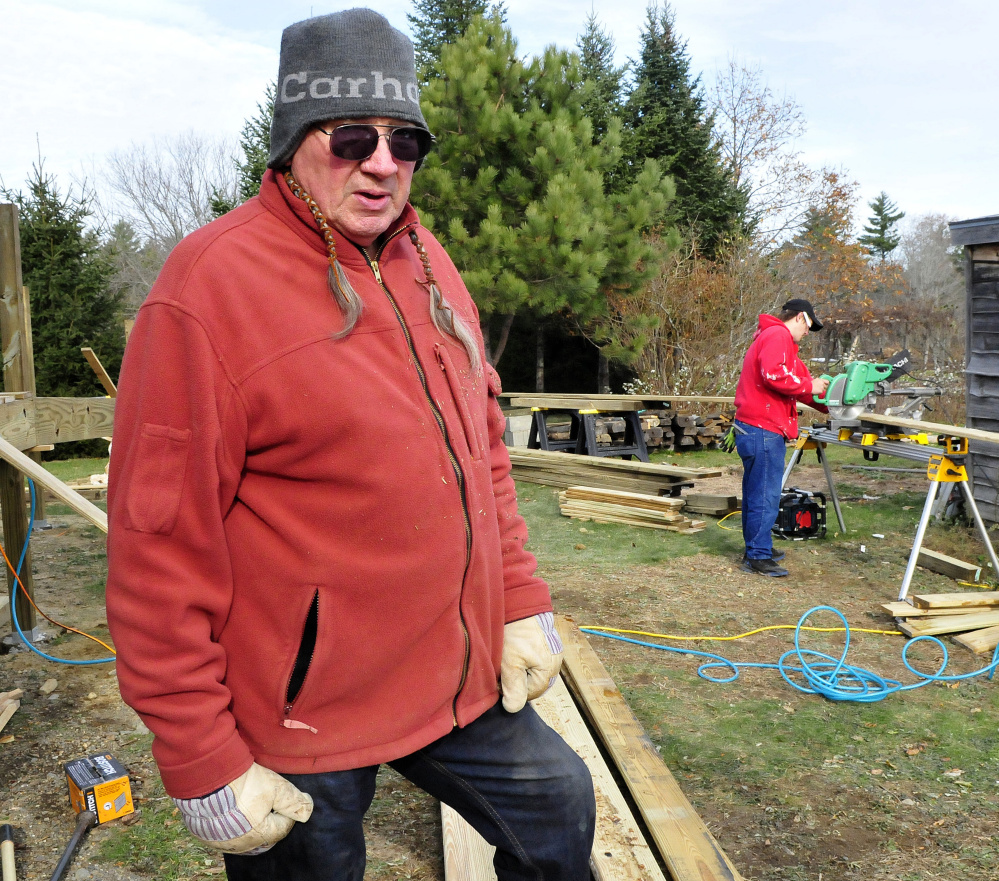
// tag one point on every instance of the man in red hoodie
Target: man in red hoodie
(772, 381)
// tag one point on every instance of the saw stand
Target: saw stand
(942, 469)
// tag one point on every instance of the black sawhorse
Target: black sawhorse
(583, 434)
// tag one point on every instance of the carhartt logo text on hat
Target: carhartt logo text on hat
(304, 84)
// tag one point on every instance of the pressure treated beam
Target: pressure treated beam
(27, 466)
(29, 422)
(684, 842)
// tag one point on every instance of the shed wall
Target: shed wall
(982, 376)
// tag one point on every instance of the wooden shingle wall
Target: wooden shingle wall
(980, 238)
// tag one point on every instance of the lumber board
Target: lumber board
(650, 400)
(567, 461)
(635, 500)
(583, 506)
(95, 363)
(935, 625)
(918, 425)
(7, 709)
(684, 842)
(979, 641)
(568, 402)
(949, 566)
(965, 600)
(902, 609)
(467, 856)
(620, 852)
(32, 422)
(54, 485)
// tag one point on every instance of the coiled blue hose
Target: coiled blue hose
(819, 673)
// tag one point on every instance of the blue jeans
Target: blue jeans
(762, 454)
(508, 774)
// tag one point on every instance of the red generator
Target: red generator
(802, 514)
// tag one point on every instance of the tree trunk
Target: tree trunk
(486, 345)
(539, 360)
(603, 375)
(503, 337)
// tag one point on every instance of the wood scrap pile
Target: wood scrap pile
(9, 704)
(565, 469)
(612, 430)
(694, 432)
(632, 509)
(642, 821)
(971, 618)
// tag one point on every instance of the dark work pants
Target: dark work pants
(508, 774)
(762, 454)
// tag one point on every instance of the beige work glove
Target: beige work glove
(532, 655)
(250, 815)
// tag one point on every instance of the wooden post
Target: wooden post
(28, 372)
(12, 486)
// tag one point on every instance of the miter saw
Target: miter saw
(856, 391)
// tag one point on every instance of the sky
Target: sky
(899, 95)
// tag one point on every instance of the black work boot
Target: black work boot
(764, 567)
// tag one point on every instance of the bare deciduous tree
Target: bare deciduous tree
(166, 191)
(757, 131)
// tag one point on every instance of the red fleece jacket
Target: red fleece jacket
(272, 486)
(773, 380)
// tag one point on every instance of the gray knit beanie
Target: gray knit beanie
(346, 65)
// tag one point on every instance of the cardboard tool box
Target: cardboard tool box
(99, 783)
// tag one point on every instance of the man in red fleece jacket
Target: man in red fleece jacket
(772, 381)
(315, 560)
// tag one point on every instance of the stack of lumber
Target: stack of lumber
(628, 844)
(710, 503)
(971, 618)
(631, 509)
(564, 470)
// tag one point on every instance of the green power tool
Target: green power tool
(852, 393)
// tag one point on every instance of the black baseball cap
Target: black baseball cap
(797, 305)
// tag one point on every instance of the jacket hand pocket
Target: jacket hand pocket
(157, 481)
(459, 395)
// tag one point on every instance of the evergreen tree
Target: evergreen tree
(69, 276)
(669, 122)
(439, 23)
(255, 142)
(881, 236)
(516, 189)
(604, 80)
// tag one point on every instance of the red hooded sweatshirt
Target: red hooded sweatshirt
(773, 380)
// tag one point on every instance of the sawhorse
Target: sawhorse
(942, 469)
(583, 433)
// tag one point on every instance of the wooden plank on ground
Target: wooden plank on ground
(620, 852)
(967, 599)
(935, 625)
(685, 843)
(53, 484)
(949, 566)
(904, 610)
(467, 857)
(979, 641)
(9, 704)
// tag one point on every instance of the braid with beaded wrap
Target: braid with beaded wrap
(350, 302)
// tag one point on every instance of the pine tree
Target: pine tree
(604, 79)
(69, 276)
(439, 23)
(668, 120)
(881, 236)
(255, 142)
(516, 189)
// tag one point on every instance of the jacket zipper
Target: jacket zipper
(455, 464)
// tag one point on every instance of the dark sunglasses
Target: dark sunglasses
(356, 141)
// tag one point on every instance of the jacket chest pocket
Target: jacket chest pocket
(471, 429)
